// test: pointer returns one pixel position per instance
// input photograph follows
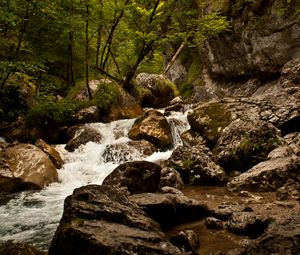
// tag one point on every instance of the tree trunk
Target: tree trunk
(70, 73)
(87, 50)
(172, 61)
(98, 45)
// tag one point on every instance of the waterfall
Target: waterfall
(33, 216)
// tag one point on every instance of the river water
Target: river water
(32, 217)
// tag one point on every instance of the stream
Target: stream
(32, 217)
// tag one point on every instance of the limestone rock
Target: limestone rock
(132, 150)
(171, 178)
(136, 176)
(280, 238)
(244, 143)
(156, 90)
(191, 138)
(51, 152)
(267, 176)
(225, 210)
(213, 223)
(209, 120)
(153, 127)
(83, 135)
(170, 209)
(247, 223)
(101, 220)
(187, 241)
(196, 166)
(87, 115)
(10, 248)
(25, 166)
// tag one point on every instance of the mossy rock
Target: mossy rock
(209, 120)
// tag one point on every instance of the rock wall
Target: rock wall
(265, 35)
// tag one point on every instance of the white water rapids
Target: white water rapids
(33, 216)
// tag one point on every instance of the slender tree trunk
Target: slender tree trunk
(98, 45)
(70, 73)
(172, 61)
(87, 50)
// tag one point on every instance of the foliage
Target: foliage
(107, 95)
(52, 114)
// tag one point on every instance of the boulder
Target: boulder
(83, 135)
(171, 178)
(10, 248)
(209, 120)
(169, 209)
(270, 175)
(247, 223)
(25, 166)
(245, 143)
(88, 115)
(290, 190)
(51, 152)
(132, 150)
(153, 127)
(186, 241)
(101, 220)
(196, 166)
(280, 238)
(225, 210)
(136, 176)
(290, 72)
(213, 223)
(190, 138)
(155, 90)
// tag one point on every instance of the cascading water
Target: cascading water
(32, 217)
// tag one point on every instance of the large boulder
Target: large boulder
(244, 143)
(136, 176)
(129, 151)
(25, 166)
(283, 164)
(280, 238)
(87, 115)
(101, 220)
(209, 120)
(196, 166)
(10, 248)
(155, 90)
(169, 209)
(247, 223)
(169, 177)
(82, 135)
(153, 127)
(264, 36)
(51, 152)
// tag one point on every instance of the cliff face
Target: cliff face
(265, 35)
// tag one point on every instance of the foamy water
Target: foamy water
(32, 217)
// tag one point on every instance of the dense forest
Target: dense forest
(51, 48)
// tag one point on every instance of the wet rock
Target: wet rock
(280, 238)
(132, 150)
(167, 189)
(225, 210)
(191, 138)
(101, 220)
(157, 90)
(171, 178)
(153, 127)
(213, 223)
(247, 223)
(25, 166)
(51, 152)
(176, 100)
(10, 248)
(128, 107)
(209, 120)
(169, 209)
(137, 176)
(186, 241)
(245, 143)
(291, 72)
(290, 190)
(174, 107)
(88, 115)
(268, 175)
(196, 166)
(83, 135)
